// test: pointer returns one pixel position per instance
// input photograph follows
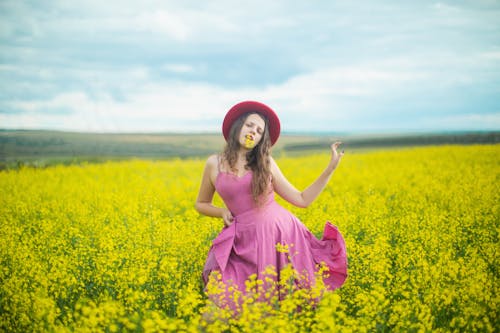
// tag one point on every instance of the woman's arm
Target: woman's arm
(303, 199)
(203, 203)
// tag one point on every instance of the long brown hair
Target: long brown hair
(257, 159)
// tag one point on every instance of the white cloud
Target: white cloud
(177, 104)
(66, 101)
(171, 107)
(179, 68)
(490, 55)
(149, 23)
(163, 22)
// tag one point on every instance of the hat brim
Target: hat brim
(248, 107)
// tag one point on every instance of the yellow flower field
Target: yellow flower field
(119, 247)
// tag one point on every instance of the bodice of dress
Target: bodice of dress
(237, 192)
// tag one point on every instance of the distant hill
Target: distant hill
(41, 148)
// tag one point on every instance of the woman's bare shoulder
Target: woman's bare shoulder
(273, 163)
(212, 161)
(212, 158)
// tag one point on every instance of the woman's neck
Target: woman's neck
(242, 155)
(240, 161)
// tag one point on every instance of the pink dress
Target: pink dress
(248, 246)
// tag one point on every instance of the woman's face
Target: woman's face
(252, 131)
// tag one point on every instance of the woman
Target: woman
(256, 228)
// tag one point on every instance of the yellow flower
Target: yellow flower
(118, 246)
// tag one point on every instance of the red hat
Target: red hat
(248, 107)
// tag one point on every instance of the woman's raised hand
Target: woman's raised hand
(336, 156)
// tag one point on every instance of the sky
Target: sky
(178, 66)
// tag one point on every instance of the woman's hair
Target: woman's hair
(257, 158)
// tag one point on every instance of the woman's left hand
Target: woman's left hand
(336, 156)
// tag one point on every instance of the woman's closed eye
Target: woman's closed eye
(258, 130)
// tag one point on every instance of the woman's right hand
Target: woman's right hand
(336, 156)
(227, 217)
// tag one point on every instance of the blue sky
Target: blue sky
(334, 66)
